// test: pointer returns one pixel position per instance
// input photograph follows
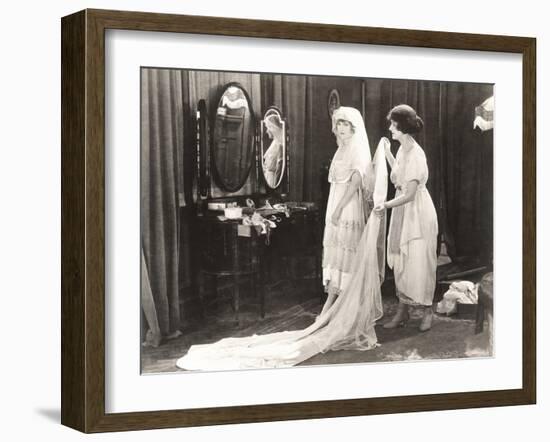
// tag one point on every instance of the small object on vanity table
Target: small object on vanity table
(243, 230)
(233, 212)
(217, 206)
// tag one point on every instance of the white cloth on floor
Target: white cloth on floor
(464, 292)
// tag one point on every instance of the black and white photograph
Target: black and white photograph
(249, 221)
(302, 220)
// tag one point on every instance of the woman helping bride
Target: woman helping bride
(354, 301)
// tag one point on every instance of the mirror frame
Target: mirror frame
(212, 149)
(203, 152)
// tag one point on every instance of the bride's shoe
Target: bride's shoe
(400, 319)
(427, 319)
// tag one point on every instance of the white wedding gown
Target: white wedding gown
(347, 325)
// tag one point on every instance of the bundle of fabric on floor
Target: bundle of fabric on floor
(464, 292)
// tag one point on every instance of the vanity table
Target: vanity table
(232, 146)
(240, 252)
(230, 249)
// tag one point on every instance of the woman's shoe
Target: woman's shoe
(400, 319)
(427, 319)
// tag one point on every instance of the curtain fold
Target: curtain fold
(459, 158)
(293, 96)
(161, 140)
(467, 172)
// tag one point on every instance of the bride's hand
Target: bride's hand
(379, 210)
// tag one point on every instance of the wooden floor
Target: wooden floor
(293, 307)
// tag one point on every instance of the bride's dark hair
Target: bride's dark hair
(406, 119)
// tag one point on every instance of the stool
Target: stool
(484, 303)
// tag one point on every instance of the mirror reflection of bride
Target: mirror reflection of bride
(348, 323)
(273, 156)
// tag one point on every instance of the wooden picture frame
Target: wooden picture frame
(83, 220)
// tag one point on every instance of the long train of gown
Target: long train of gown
(347, 325)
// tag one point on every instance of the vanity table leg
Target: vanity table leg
(214, 293)
(254, 281)
(236, 297)
(258, 276)
(262, 299)
(318, 278)
(209, 293)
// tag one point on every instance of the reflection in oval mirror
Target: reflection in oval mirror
(273, 147)
(233, 141)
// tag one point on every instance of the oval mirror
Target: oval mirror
(273, 145)
(233, 138)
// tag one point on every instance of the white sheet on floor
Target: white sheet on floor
(464, 292)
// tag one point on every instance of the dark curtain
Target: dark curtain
(459, 158)
(288, 93)
(467, 168)
(294, 108)
(161, 140)
(424, 96)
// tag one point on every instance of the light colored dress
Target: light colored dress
(412, 237)
(340, 242)
(272, 163)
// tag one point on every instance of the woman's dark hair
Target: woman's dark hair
(405, 119)
(347, 121)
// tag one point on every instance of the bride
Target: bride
(348, 323)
